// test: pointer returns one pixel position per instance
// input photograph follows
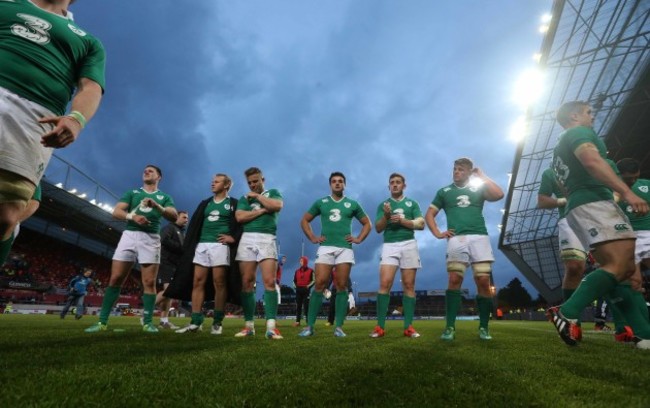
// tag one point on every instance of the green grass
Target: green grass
(46, 362)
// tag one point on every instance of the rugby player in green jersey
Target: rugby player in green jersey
(44, 56)
(336, 212)
(468, 242)
(213, 252)
(580, 167)
(630, 171)
(142, 209)
(397, 218)
(572, 253)
(258, 211)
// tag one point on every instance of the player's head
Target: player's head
(337, 182)
(575, 113)
(152, 174)
(630, 170)
(182, 218)
(304, 261)
(87, 272)
(462, 169)
(396, 183)
(221, 182)
(255, 179)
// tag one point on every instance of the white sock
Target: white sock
(270, 324)
(164, 320)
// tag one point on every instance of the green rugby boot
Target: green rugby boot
(484, 334)
(449, 334)
(97, 327)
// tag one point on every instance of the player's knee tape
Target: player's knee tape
(457, 267)
(15, 188)
(572, 254)
(482, 268)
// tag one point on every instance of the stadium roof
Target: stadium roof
(77, 209)
(594, 50)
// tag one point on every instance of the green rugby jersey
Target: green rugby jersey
(336, 219)
(463, 207)
(134, 198)
(550, 187)
(406, 208)
(639, 222)
(43, 55)
(265, 223)
(570, 173)
(216, 220)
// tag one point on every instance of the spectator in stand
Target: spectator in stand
(77, 290)
(303, 281)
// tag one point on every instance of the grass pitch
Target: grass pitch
(48, 362)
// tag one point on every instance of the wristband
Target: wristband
(129, 216)
(561, 202)
(79, 117)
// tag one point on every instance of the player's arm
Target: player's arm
(597, 167)
(383, 216)
(271, 204)
(415, 224)
(67, 127)
(548, 202)
(492, 191)
(121, 212)
(305, 224)
(244, 216)
(366, 227)
(430, 219)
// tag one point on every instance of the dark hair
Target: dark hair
(252, 170)
(182, 212)
(464, 161)
(563, 114)
(392, 176)
(339, 174)
(156, 168)
(628, 165)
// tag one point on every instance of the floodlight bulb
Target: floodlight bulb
(546, 18)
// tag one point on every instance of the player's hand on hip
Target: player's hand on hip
(66, 130)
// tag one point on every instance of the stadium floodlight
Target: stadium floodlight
(537, 56)
(73, 191)
(528, 88)
(59, 185)
(543, 28)
(519, 130)
(93, 201)
(546, 18)
(82, 195)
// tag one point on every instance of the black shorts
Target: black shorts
(165, 274)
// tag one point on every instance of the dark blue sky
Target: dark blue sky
(304, 88)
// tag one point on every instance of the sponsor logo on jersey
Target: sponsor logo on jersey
(227, 206)
(408, 204)
(473, 189)
(214, 216)
(463, 201)
(159, 196)
(621, 227)
(643, 189)
(446, 189)
(77, 30)
(347, 205)
(325, 200)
